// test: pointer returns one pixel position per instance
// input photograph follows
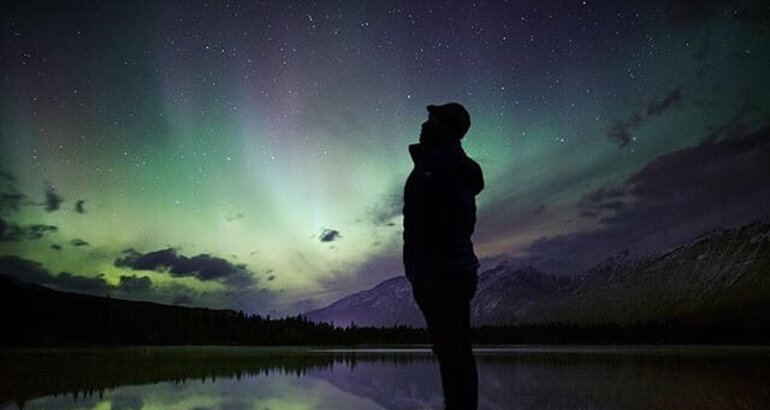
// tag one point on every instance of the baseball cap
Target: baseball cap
(453, 116)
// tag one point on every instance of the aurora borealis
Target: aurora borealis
(251, 155)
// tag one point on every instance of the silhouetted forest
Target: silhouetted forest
(37, 316)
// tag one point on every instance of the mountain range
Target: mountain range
(721, 277)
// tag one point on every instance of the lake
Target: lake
(277, 378)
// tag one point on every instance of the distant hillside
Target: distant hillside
(32, 315)
(720, 277)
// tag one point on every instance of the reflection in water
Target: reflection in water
(272, 378)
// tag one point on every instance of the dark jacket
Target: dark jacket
(440, 214)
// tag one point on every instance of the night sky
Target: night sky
(252, 155)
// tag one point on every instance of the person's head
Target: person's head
(447, 122)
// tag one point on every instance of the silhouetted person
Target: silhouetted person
(439, 218)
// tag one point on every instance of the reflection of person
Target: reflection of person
(439, 218)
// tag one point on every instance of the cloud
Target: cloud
(24, 269)
(182, 300)
(4, 228)
(234, 217)
(735, 126)
(78, 242)
(66, 280)
(622, 130)
(390, 207)
(37, 231)
(13, 232)
(374, 270)
(249, 299)
(34, 272)
(674, 197)
(606, 198)
(80, 206)
(11, 201)
(204, 267)
(329, 235)
(658, 108)
(134, 284)
(10, 197)
(52, 199)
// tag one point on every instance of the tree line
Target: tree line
(37, 316)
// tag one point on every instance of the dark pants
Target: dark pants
(446, 308)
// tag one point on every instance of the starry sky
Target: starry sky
(252, 155)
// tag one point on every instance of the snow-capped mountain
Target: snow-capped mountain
(722, 276)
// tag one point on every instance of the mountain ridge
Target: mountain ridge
(716, 275)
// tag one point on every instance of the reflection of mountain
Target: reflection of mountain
(519, 378)
(410, 386)
(722, 278)
(576, 378)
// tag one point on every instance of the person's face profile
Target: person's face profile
(430, 130)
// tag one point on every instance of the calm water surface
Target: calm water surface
(528, 377)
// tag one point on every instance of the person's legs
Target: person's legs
(447, 313)
(452, 338)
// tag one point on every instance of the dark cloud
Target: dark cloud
(37, 231)
(78, 242)
(10, 197)
(134, 284)
(52, 199)
(80, 206)
(12, 232)
(376, 268)
(34, 272)
(658, 108)
(329, 235)
(96, 285)
(606, 198)
(182, 300)
(673, 198)
(391, 206)
(735, 126)
(24, 269)
(204, 267)
(248, 299)
(234, 217)
(11, 201)
(622, 130)
(156, 260)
